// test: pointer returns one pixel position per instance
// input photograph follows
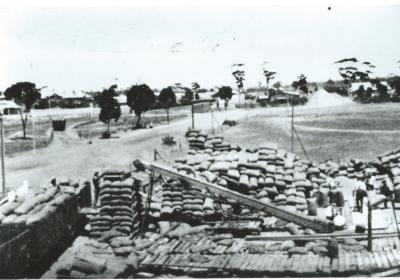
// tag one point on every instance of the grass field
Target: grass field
(350, 132)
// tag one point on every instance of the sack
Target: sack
(89, 264)
(10, 219)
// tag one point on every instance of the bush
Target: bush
(229, 123)
(105, 135)
(169, 141)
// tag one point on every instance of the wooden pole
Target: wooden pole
(292, 146)
(369, 227)
(3, 173)
(192, 116)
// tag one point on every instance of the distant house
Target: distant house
(355, 86)
(9, 107)
(371, 86)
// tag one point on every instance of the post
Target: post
(369, 247)
(155, 154)
(212, 122)
(34, 134)
(192, 116)
(292, 127)
(3, 173)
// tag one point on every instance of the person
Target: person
(385, 190)
(53, 181)
(360, 194)
(96, 185)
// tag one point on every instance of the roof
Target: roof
(366, 85)
(8, 104)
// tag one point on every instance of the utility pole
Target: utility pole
(292, 125)
(192, 115)
(3, 173)
(369, 246)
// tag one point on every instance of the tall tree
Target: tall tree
(301, 83)
(167, 98)
(188, 96)
(195, 89)
(350, 73)
(140, 98)
(109, 107)
(269, 75)
(25, 94)
(239, 76)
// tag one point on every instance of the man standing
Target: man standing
(96, 187)
(385, 190)
(360, 194)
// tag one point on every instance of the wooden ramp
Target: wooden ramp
(279, 264)
(200, 185)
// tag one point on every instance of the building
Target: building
(9, 107)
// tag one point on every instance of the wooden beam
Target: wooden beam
(320, 236)
(203, 186)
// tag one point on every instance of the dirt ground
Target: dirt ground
(76, 158)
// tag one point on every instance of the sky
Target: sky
(78, 48)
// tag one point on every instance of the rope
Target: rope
(301, 143)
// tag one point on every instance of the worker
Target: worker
(53, 181)
(385, 190)
(333, 249)
(360, 193)
(371, 183)
(96, 187)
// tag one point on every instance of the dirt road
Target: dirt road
(75, 158)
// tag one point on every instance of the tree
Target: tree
(109, 107)
(224, 92)
(239, 74)
(301, 83)
(195, 89)
(350, 73)
(24, 94)
(140, 98)
(167, 98)
(188, 96)
(277, 85)
(269, 75)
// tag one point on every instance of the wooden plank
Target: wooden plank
(288, 265)
(294, 263)
(360, 263)
(372, 261)
(392, 260)
(317, 225)
(396, 255)
(325, 236)
(244, 265)
(327, 266)
(280, 268)
(386, 264)
(269, 266)
(353, 263)
(378, 260)
(366, 261)
(341, 264)
(334, 266)
(313, 263)
(262, 262)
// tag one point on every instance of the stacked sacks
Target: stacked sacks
(120, 209)
(195, 139)
(192, 204)
(200, 141)
(172, 200)
(33, 207)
